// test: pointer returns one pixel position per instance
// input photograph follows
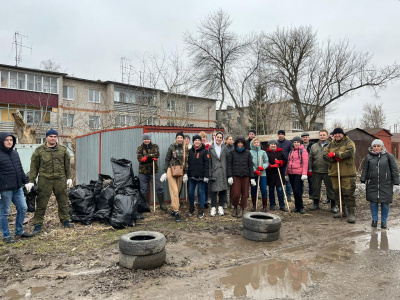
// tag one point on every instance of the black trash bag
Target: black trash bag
(136, 183)
(123, 173)
(92, 184)
(143, 204)
(99, 185)
(104, 205)
(124, 208)
(82, 204)
(31, 196)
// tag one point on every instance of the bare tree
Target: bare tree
(315, 76)
(373, 116)
(26, 134)
(50, 65)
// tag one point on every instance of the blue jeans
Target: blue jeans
(201, 196)
(279, 191)
(374, 206)
(263, 187)
(16, 197)
(288, 186)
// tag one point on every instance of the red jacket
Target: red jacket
(297, 161)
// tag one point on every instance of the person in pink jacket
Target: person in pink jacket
(296, 172)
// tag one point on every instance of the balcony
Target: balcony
(40, 129)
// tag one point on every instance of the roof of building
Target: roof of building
(396, 138)
(374, 131)
(32, 70)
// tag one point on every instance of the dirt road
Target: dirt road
(317, 257)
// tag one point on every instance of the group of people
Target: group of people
(224, 167)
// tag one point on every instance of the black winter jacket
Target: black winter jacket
(380, 173)
(272, 173)
(286, 146)
(240, 163)
(198, 162)
(12, 175)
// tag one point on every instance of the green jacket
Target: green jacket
(150, 151)
(50, 163)
(175, 152)
(316, 162)
(345, 149)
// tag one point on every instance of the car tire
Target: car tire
(142, 243)
(261, 222)
(144, 262)
(259, 236)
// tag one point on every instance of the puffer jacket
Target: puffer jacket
(380, 173)
(150, 151)
(240, 163)
(175, 153)
(285, 145)
(272, 173)
(198, 162)
(297, 161)
(316, 162)
(12, 175)
(257, 153)
(50, 163)
(345, 149)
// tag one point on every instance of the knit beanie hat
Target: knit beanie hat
(196, 137)
(253, 131)
(297, 139)
(281, 132)
(146, 136)
(180, 133)
(338, 130)
(51, 132)
(377, 142)
(272, 142)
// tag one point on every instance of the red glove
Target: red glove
(207, 146)
(155, 158)
(274, 166)
(338, 159)
(144, 159)
(258, 173)
(280, 163)
(309, 174)
(331, 154)
(260, 168)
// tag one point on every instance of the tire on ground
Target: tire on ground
(259, 236)
(144, 262)
(261, 222)
(142, 243)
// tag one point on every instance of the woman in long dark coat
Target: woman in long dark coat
(380, 177)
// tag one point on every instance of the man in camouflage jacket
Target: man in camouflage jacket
(340, 153)
(52, 162)
(146, 154)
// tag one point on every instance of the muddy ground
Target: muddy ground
(316, 257)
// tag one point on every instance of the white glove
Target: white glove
(396, 189)
(304, 177)
(69, 183)
(362, 187)
(253, 182)
(230, 180)
(287, 177)
(163, 177)
(206, 180)
(185, 178)
(29, 186)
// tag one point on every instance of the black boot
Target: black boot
(315, 205)
(352, 216)
(191, 210)
(161, 201)
(254, 201)
(326, 201)
(344, 212)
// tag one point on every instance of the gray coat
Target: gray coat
(380, 173)
(218, 179)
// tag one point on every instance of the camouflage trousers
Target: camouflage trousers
(348, 187)
(45, 188)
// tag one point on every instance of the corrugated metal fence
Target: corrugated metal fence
(94, 151)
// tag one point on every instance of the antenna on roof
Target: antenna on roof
(17, 43)
(126, 69)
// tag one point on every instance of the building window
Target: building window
(46, 84)
(38, 83)
(21, 81)
(170, 123)
(94, 122)
(68, 92)
(151, 121)
(125, 120)
(190, 125)
(68, 120)
(318, 126)
(31, 82)
(171, 105)
(190, 107)
(229, 115)
(4, 79)
(94, 96)
(296, 125)
(36, 116)
(13, 80)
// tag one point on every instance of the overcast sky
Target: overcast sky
(88, 38)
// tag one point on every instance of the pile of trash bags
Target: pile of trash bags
(110, 200)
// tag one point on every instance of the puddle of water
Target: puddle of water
(13, 294)
(268, 279)
(381, 240)
(37, 289)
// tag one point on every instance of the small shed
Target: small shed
(384, 135)
(362, 140)
(396, 145)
